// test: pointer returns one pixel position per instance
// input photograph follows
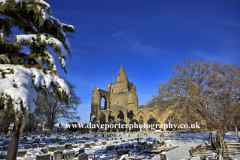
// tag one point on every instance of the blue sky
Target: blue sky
(146, 37)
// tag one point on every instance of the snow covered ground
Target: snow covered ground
(184, 142)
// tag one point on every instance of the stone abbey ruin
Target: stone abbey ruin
(121, 103)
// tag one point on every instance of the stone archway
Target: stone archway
(168, 115)
(104, 102)
(102, 118)
(150, 115)
(142, 116)
(119, 115)
(130, 116)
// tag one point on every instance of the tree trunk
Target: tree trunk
(219, 138)
(13, 146)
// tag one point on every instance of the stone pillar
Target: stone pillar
(106, 117)
(125, 116)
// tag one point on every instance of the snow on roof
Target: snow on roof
(20, 83)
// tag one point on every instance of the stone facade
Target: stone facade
(121, 102)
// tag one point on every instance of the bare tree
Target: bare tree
(50, 108)
(202, 90)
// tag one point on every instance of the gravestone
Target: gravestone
(75, 145)
(5, 148)
(60, 147)
(109, 148)
(35, 145)
(44, 150)
(61, 143)
(93, 144)
(22, 152)
(104, 142)
(69, 155)
(52, 148)
(163, 156)
(137, 149)
(42, 145)
(43, 157)
(145, 146)
(27, 146)
(132, 146)
(57, 155)
(120, 153)
(149, 146)
(83, 156)
(87, 145)
(81, 150)
(68, 146)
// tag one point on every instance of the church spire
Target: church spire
(122, 76)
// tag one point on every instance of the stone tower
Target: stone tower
(120, 97)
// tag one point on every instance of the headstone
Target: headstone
(83, 156)
(109, 148)
(120, 153)
(131, 146)
(87, 145)
(27, 146)
(35, 145)
(93, 144)
(68, 146)
(22, 153)
(42, 145)
(58, 155)
(163, 156)
(69, 155)
(137, 149)
(60, 147)
(149, 146)
(145, 146)
(104, 142)
(44, 150)
(81, 150)
(5, 148)
(52, 148)
(61, 143)
(43, 157)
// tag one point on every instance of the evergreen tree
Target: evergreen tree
(26, 64)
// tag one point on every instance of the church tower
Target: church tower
(121, 84)
(120, 96)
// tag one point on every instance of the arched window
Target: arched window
(103, 103)
(150, 116)
(102, 118)
(140, 120)
(120, 115)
